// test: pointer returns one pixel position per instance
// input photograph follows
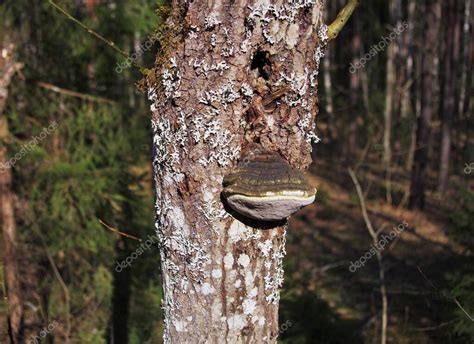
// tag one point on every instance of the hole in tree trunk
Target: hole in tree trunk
(261, 61)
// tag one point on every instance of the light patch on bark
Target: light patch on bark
(180, 326)
(217, 273)
(244, 260)
(207, 289)
(237, 231)
(292, 35)
(228, 261)
(249, 306)
(236, 322)
(249, 280)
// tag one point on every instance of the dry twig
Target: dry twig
(374, 236)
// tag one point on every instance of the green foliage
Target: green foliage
(461, 219)
(92, 166)
(464, 312)
(142, 314)
(461, 229)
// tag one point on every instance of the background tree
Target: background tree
(452, 43)
(428, 74)
(10, 276)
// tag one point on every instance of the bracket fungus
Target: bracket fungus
(265, 187)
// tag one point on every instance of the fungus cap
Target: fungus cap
(265, 187)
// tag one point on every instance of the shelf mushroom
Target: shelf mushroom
(265, 187)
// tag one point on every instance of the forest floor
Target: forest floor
(327, 236)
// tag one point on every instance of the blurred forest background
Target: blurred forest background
(400, 117)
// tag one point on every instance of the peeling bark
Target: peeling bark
(221, 274)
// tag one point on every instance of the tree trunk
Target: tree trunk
(390, 85)
(406, 63)
(467, 57)
(118, 333)
(123, 277)
(221, 275)
(400, 45)
(412, 69)
(448, 109)
(354, 91)
(7, 216)
(428, 72)
(328, 94)
(328, 83)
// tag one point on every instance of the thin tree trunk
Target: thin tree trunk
(413, 88)
(328, 92)
(221, 275)
(354, 91)
(463, 127)
(118, 333)
(448, 109)
(466, 75)
(390, 84)
(428, 71)
(123, 276)
(400, 46)
(406, 60)
(7, 216)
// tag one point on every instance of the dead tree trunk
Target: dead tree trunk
(428, 70)
(212, 97)
(7, 217)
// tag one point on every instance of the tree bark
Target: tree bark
(428, 72)
(221, 273)
(7, 216)
(452, 37)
